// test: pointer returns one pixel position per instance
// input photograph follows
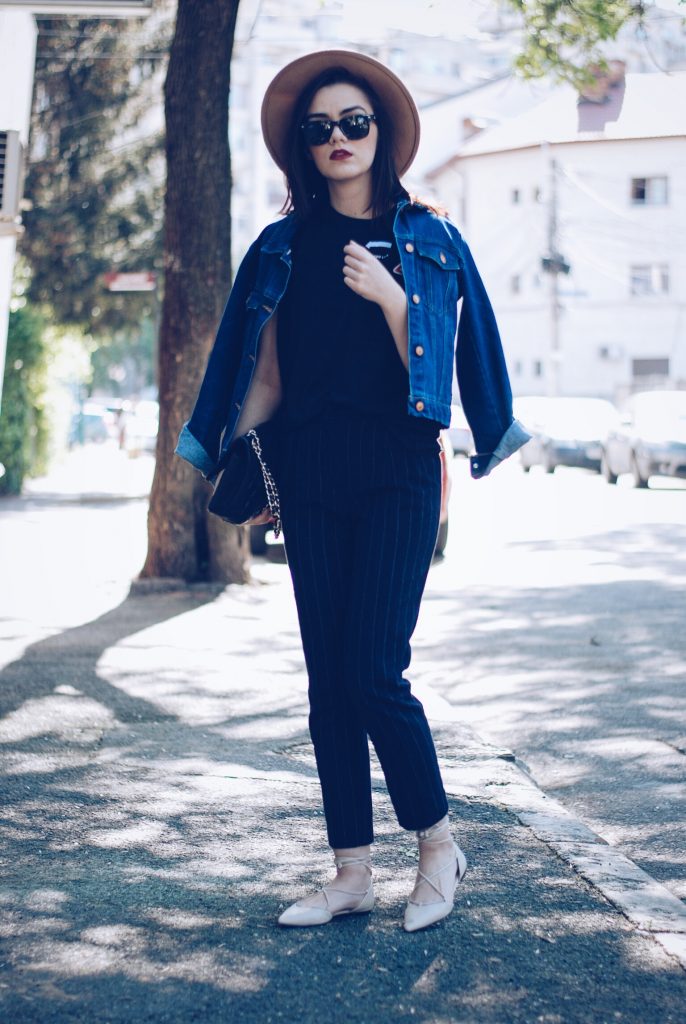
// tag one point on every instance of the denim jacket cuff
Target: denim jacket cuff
(192, 451)
(512, 440)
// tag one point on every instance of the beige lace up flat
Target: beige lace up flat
(302, 916)
(444, 882)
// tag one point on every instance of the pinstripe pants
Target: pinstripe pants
(360, 516)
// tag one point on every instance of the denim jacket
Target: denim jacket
(438, 270)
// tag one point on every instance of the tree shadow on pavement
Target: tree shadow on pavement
(159, 813)
(179, 925)
(585, 683)
(70, 658)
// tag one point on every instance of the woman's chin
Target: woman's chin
(345, 171)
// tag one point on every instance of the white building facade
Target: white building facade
(603, 186)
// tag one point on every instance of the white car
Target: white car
(459, 433)
(565, 431)
(650, 439)
(140, 427)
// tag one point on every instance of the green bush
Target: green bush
(23, 420)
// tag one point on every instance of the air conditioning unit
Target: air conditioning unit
(11, 177)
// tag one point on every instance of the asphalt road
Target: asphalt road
(557, 626)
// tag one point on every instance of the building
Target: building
(576, 213)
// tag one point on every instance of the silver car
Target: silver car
(565, 431)
(650, 439)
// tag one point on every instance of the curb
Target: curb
(496, 773)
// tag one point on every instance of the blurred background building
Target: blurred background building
(574, 207)
(530, 170)
(576, 212)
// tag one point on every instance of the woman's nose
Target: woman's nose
(337, 135)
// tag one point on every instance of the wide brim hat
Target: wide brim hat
(283, 92)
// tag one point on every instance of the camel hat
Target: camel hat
(283, 92)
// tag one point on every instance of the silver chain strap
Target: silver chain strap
(269, 483)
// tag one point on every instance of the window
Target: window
(649, 191)
(538, 368)
(649, 279)
(517, 368)
(516, 284)
(657, 367)
(537, 194)
(516, 196)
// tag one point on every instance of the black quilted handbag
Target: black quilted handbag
(245, 485)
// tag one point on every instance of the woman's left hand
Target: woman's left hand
(367, 277)
(261, 519)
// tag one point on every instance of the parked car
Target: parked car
(262, 540)
(140, 426)
(565, 432)
(459, 433)
(91, 424)
(649, 440)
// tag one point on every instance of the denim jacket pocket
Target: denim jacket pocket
(437, 267)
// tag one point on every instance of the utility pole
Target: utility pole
(555, 355)
(554, 264)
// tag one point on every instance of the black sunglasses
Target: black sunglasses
(354, 126)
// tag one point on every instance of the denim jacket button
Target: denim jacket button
(409, 247)
(419, 406)
(442, 257)
(416, 299)
(419, 350)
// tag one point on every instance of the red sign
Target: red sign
(135, 281)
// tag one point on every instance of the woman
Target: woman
(343, 317)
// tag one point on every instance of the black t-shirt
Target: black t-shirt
(336, 352)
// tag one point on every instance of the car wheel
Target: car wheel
(606, 471)
(548, 464)
(441, 540)
(525, 466)
(639, 479)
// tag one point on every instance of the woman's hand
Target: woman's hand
(261, 518)
(364, 274)
(367, 277)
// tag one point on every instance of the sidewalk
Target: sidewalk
(92, 473)
(162, 807)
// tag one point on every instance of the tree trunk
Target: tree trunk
(197, 241)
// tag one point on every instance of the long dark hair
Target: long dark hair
(307, 188)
